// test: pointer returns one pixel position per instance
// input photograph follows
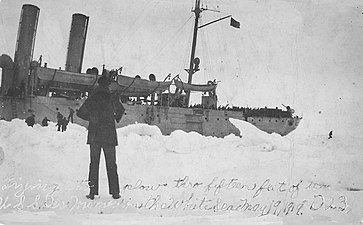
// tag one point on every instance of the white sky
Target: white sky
(307, 54)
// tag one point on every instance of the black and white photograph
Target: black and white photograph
(181, 112)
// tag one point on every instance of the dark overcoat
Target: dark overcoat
(101, 109)
(30, 121)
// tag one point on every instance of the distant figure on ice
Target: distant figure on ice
(59, 116)
(59, 121)
(59, 125)
(30, 120)
(45, 122)
(64, 123)
(101, 110)
(330, 134)
(70, 116)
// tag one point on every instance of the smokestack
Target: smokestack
(77, 41)
(7, 65)
(25, 43)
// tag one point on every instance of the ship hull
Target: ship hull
(208, 122)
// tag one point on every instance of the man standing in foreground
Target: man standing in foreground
(101, 110)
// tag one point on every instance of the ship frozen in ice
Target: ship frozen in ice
(29, 86)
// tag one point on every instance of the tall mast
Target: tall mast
(191, 71)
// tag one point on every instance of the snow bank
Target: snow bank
(252, 136)
(140, 129)
(183, 178)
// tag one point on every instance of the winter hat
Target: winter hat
(104, 81)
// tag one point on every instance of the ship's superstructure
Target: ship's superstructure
(29, 86)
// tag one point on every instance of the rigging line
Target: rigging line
(187, 44)
(252, 48)
(241, 76)
(206, 56)
(165, 44)
(125, 41)
(221, 63)
(236, 77)
(205, 42)
(138, 18)
(205, 35)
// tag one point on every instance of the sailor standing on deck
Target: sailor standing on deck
(101, 110)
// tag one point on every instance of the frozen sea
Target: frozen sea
(183, 178)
